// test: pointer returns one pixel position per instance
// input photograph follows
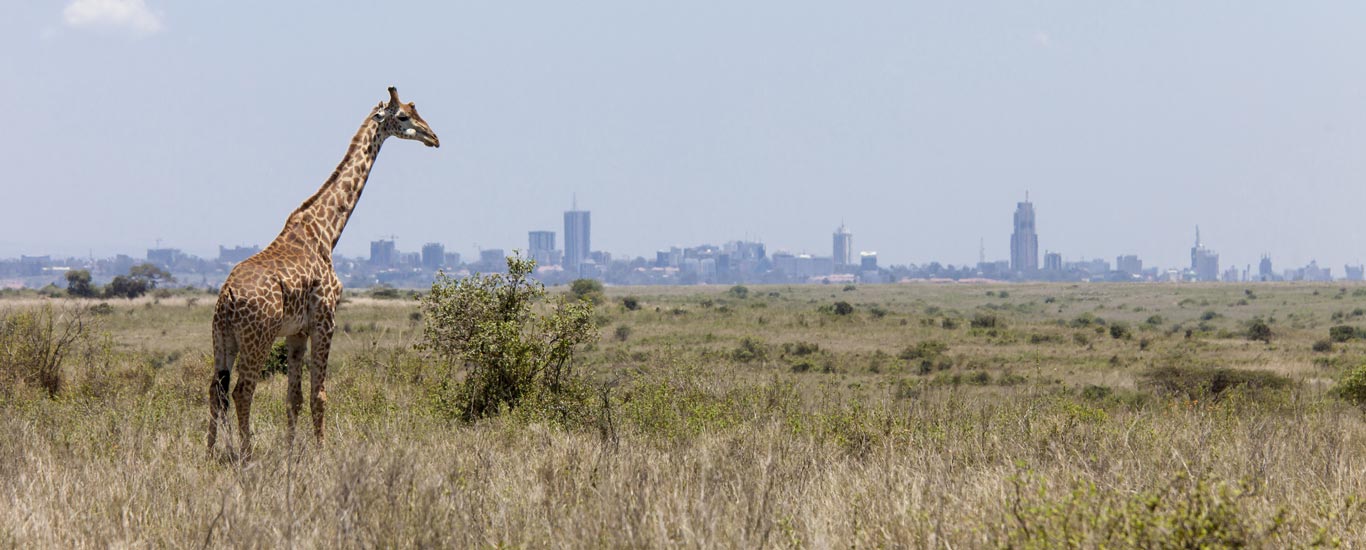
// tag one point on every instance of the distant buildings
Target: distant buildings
(1129, 264)
(236, 254)
(541, 248)
(1204, 262)
(383, 254)
(1264, 272)
(844, 248)
(433, 256)
(1024, 241)
(1354, 272)
(165, 258)
(1052, 262)
(577, 238)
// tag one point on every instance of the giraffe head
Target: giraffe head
(402, 121)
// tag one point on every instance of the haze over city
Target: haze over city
(918, 125)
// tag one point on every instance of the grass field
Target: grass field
(931, 416)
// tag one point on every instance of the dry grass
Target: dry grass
(705, 450)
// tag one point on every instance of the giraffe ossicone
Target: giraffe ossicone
(290, 290)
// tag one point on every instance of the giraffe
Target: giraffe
(289, 289)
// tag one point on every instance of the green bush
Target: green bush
(1352, 386)
(587, 289)
(78, 284)
(985, 320)
(1258, 330)
(1323, 346)
(35, 342)
(622, 333)
(278, 362)
(513, 352)
(739, 291)
(749, 350)
(843, 308)
(1119, 331)
(631, 303)
(1342, 333)
(1203, 382)
(927, 349)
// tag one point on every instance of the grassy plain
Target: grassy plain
(932, 416)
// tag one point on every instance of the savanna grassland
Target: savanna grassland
(924, 416)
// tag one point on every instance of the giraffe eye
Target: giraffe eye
(403, 117)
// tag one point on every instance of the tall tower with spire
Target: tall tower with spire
(577, 232)
(844, 247)
(1024, 241)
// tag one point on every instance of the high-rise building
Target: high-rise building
(1204, 262)
(433, 256)
(541, 247)
(382, 253)
(1129, 264)
(1052, 262)
(867, 261)
(844, 247)
(1024, 242)
(577, 241)
(1264, 272)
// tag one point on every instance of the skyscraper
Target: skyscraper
(541, 247)
(844, 247)
(1204, 262)
(433, 256)
(1024, 242)
(577, 242)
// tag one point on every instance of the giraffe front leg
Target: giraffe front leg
(320, 345)
(296, 345)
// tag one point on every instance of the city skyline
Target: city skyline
(1131, 124)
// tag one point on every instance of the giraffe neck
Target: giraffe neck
(322, 217)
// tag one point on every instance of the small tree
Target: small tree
(151, 274)
(78, 284)
(1259, 330)
(125, 287)
(512, 352)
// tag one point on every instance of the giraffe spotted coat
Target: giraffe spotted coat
(290, 290)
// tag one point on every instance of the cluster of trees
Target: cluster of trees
(140, 279)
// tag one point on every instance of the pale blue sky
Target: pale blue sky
(919, 124)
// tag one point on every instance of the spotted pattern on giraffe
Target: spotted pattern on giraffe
(289, 289)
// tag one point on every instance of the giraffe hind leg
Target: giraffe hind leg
(296, 345)
(218, 390)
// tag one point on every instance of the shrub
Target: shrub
(739, 291)
(1201, 382)
(1119, 331)
(1342, 333)
(278, 362)
(1259, 330)
(1323, 346)
(928, 349)
(801, 348)
(1096, 393)
(512, 354)
(385, 292)
(587, 289)
(631, 303)
(34, 342)
(843, 308)
(1352, 386)
(622, 333)
(985, 320)
(949, 323)
(125, 287)
(750, 349)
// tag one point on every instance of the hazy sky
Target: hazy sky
(918, 123)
